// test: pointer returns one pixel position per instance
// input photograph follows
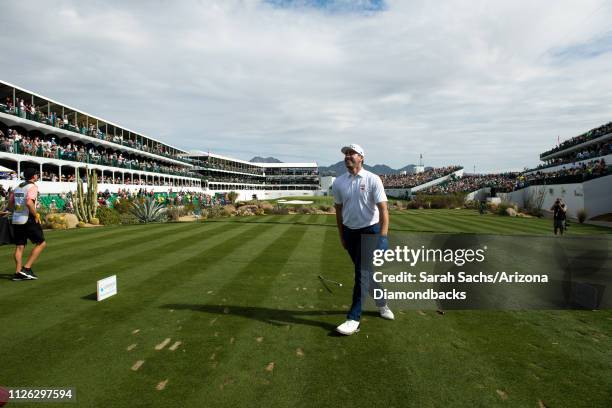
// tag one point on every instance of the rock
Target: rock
(511, 212)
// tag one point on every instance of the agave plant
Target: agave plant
(148, 210)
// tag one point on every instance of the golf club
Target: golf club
(329, 280)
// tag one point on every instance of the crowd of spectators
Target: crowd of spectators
(506, 182)
(413, 180)
(214, 164)
(585, 137)
(171, 198)
(573, 174)
(48, 147)
(590, 152)
(501, 182)
(231, 178)
(29, 111)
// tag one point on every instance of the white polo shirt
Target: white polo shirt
(359, 195)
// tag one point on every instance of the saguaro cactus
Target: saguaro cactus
(86, 203)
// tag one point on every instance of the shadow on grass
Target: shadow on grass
(275, 317)
(91, 296)
(7, 276)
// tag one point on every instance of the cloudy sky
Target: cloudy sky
(489, 84)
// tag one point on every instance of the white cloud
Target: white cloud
(489, 84)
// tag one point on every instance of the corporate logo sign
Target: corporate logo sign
(107, 287)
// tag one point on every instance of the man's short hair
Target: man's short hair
(29, 173)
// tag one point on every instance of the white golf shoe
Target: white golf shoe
(349, 327)
(386, 313)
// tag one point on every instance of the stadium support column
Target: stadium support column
(41, 171)
(59, 170)
(18, 168)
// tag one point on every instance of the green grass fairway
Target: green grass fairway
(254, 323)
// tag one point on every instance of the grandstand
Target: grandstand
(582, 150)
(579, 171)
(62, 141)
(403, 185)
(264, 180)
(502, 182)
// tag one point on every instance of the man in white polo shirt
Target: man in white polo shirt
(361, 208)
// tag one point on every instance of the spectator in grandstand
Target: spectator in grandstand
(26, 225)
(361, 209)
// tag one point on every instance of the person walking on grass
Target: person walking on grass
(26, 225)
(361, 209)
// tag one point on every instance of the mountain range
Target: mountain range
(258, 159)
(339, 168)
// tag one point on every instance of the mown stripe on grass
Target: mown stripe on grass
(147, 311)
(148, 283)
(245, 365)
(264, 259)
(82, 281)
(56, 263)
(413, 223)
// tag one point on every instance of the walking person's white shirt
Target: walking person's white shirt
(359, 195)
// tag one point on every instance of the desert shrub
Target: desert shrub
(123, 206)
(188, 209)
(582, 215)
(108, 216)
(55, 221)
(396, 205)
(229, 210)
(413, 205)
(148, 210)
(259, 211)
(326, 208)
(248, 209)
(535, 211)
(279, 211)
(305, 209)
(43, 211)
(437, 201)
(472, 204)
(244, 211)
(215, 211)
(501, 209)
(128, 219)
(232, 196)
(203, 214)
(173, 213)
(266, 206)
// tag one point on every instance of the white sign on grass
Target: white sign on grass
(107, 287)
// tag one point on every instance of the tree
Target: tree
(232, 196)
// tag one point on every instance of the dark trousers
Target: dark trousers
(360, 247)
